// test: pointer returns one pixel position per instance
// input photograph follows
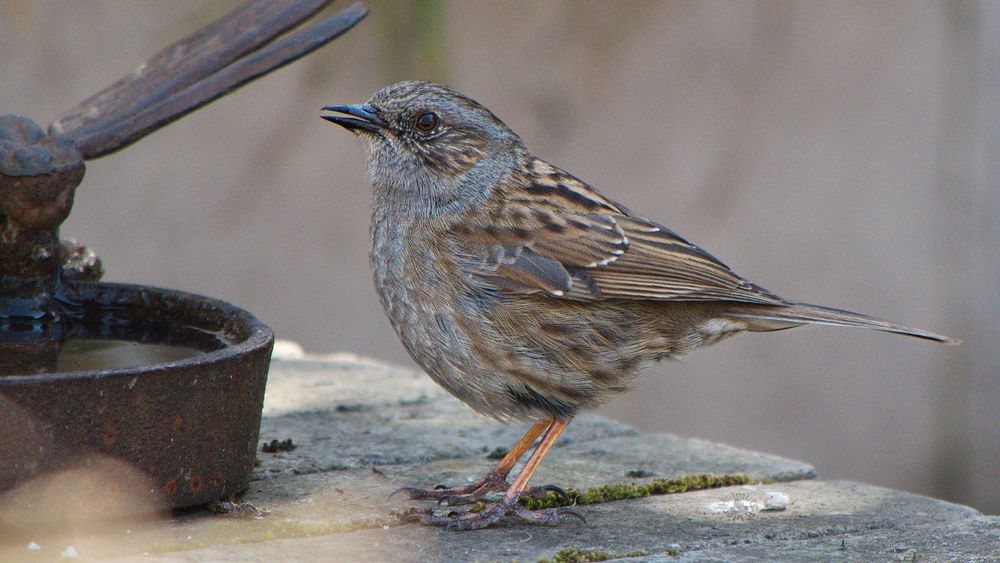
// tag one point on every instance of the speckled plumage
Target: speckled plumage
(519, 288)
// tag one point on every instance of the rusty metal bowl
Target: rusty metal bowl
(190, 426)
(169, 434)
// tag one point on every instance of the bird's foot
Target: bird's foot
(536, 492)
(476, 491)
(507, 506)
(457, 495)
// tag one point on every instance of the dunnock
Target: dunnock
(522, 290)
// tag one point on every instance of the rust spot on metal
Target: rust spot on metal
(110, 435)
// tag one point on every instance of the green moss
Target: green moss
(671, 552)
(401, 515)
(497, 453)
(577, 555)
(631, 490)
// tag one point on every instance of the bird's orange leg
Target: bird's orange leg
(495, 480)
(519, 484)
(508, 504)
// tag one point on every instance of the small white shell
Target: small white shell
(774, 500)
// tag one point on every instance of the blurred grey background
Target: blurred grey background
(841, 153)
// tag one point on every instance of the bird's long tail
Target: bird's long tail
(777, 317)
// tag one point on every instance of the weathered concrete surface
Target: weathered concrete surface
(826, 520)
(363, 429)
(351, 413)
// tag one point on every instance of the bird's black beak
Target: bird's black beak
(366, 114)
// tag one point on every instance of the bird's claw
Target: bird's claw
(486, 517)
(456, 495)
(453, 500)
(540, 492)
(570, 512)
(409, 491)
(441, 493)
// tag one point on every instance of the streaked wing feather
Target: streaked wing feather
(531, 271)
(557, 234)
(659, 264)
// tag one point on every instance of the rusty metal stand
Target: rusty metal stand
(190, 426)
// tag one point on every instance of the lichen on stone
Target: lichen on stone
(498, 453)
(577, 555)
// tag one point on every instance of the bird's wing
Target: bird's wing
(548, 231)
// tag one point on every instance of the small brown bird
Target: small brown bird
(522, 290)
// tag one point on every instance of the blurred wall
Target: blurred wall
(838, 153)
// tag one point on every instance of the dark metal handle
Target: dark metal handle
(208, 64)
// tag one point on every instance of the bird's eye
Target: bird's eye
(427, 121)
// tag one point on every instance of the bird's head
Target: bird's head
(430, 142)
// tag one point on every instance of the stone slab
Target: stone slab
(824, 521)
(347, 412)
(363, 429)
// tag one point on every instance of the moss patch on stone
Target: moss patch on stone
(631, 490)
(497, 453)
(577, 555)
